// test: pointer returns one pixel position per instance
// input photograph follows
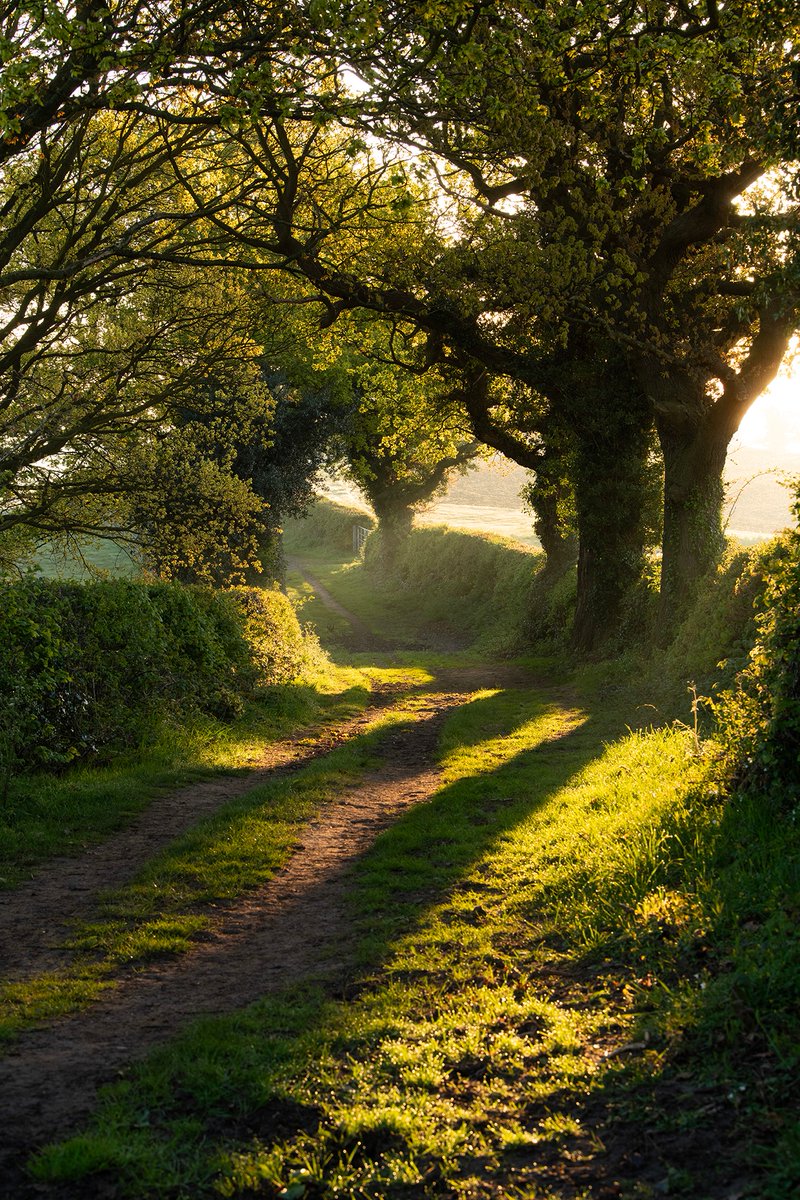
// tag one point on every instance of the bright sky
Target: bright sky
(773, 423)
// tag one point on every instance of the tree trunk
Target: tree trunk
(551, 499)
(694, 460)
(611, 491)
(395, 521)
(559, 543)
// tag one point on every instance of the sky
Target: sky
(764, 454)
(773, 423)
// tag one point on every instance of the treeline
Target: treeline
(242, 244)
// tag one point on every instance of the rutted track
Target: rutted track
(294, 928)
(35, 918)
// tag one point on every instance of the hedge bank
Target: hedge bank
(90, 665)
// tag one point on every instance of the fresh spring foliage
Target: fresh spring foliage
(91, 665)
(759, 717)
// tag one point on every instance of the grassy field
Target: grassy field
(578, 969)
(97, 555)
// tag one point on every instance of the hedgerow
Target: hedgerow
(759, 717)
(91, 665)
(714, 641)
(328, 524)
(477, 584)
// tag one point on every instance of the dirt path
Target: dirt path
(35, 918)
(361, 637)
(295, 928)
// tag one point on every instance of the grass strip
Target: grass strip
(345, 577)
(562, 951)
(47, 815)
(172, 900)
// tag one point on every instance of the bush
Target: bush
(328, 524)
(86, 665)
(476, 584)
(279, 650)
(759, 718)
(714, 641)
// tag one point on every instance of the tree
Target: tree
(627, 135)
(115, 308)
(406, 432)
(594, 157)
(549, 195)
(102, 341)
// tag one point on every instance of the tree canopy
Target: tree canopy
(586, 214)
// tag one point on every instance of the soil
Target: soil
(36, 917)
(295, 928)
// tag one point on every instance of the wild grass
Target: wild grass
(46, 814)
(447, 588)
(526, 921)
(474, 586)
(174, 897)
(577, 971)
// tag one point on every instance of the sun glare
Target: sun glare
(773, 422)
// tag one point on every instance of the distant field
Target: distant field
(486, 498)
(99, 555)
(485, 518)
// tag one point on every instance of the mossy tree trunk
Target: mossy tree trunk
(395, 522)
(611, 493)
(694, 461)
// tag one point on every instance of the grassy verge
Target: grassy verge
(574, 982)
(46, 815)
(578, 970)
(344, 576)
(173, 899)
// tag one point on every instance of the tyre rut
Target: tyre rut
(296, 928)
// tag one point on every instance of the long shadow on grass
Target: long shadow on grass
(705, 1103)
(230, 1079)
(433, 847)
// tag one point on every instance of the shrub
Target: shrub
(716, 637)
(328, 523)
(759, 717)
(476, 584)
(86, 665)
(279, 650)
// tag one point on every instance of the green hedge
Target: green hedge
(88, 665)
(327, 524)
(476, 584)
(714, 640)
(759, 717)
